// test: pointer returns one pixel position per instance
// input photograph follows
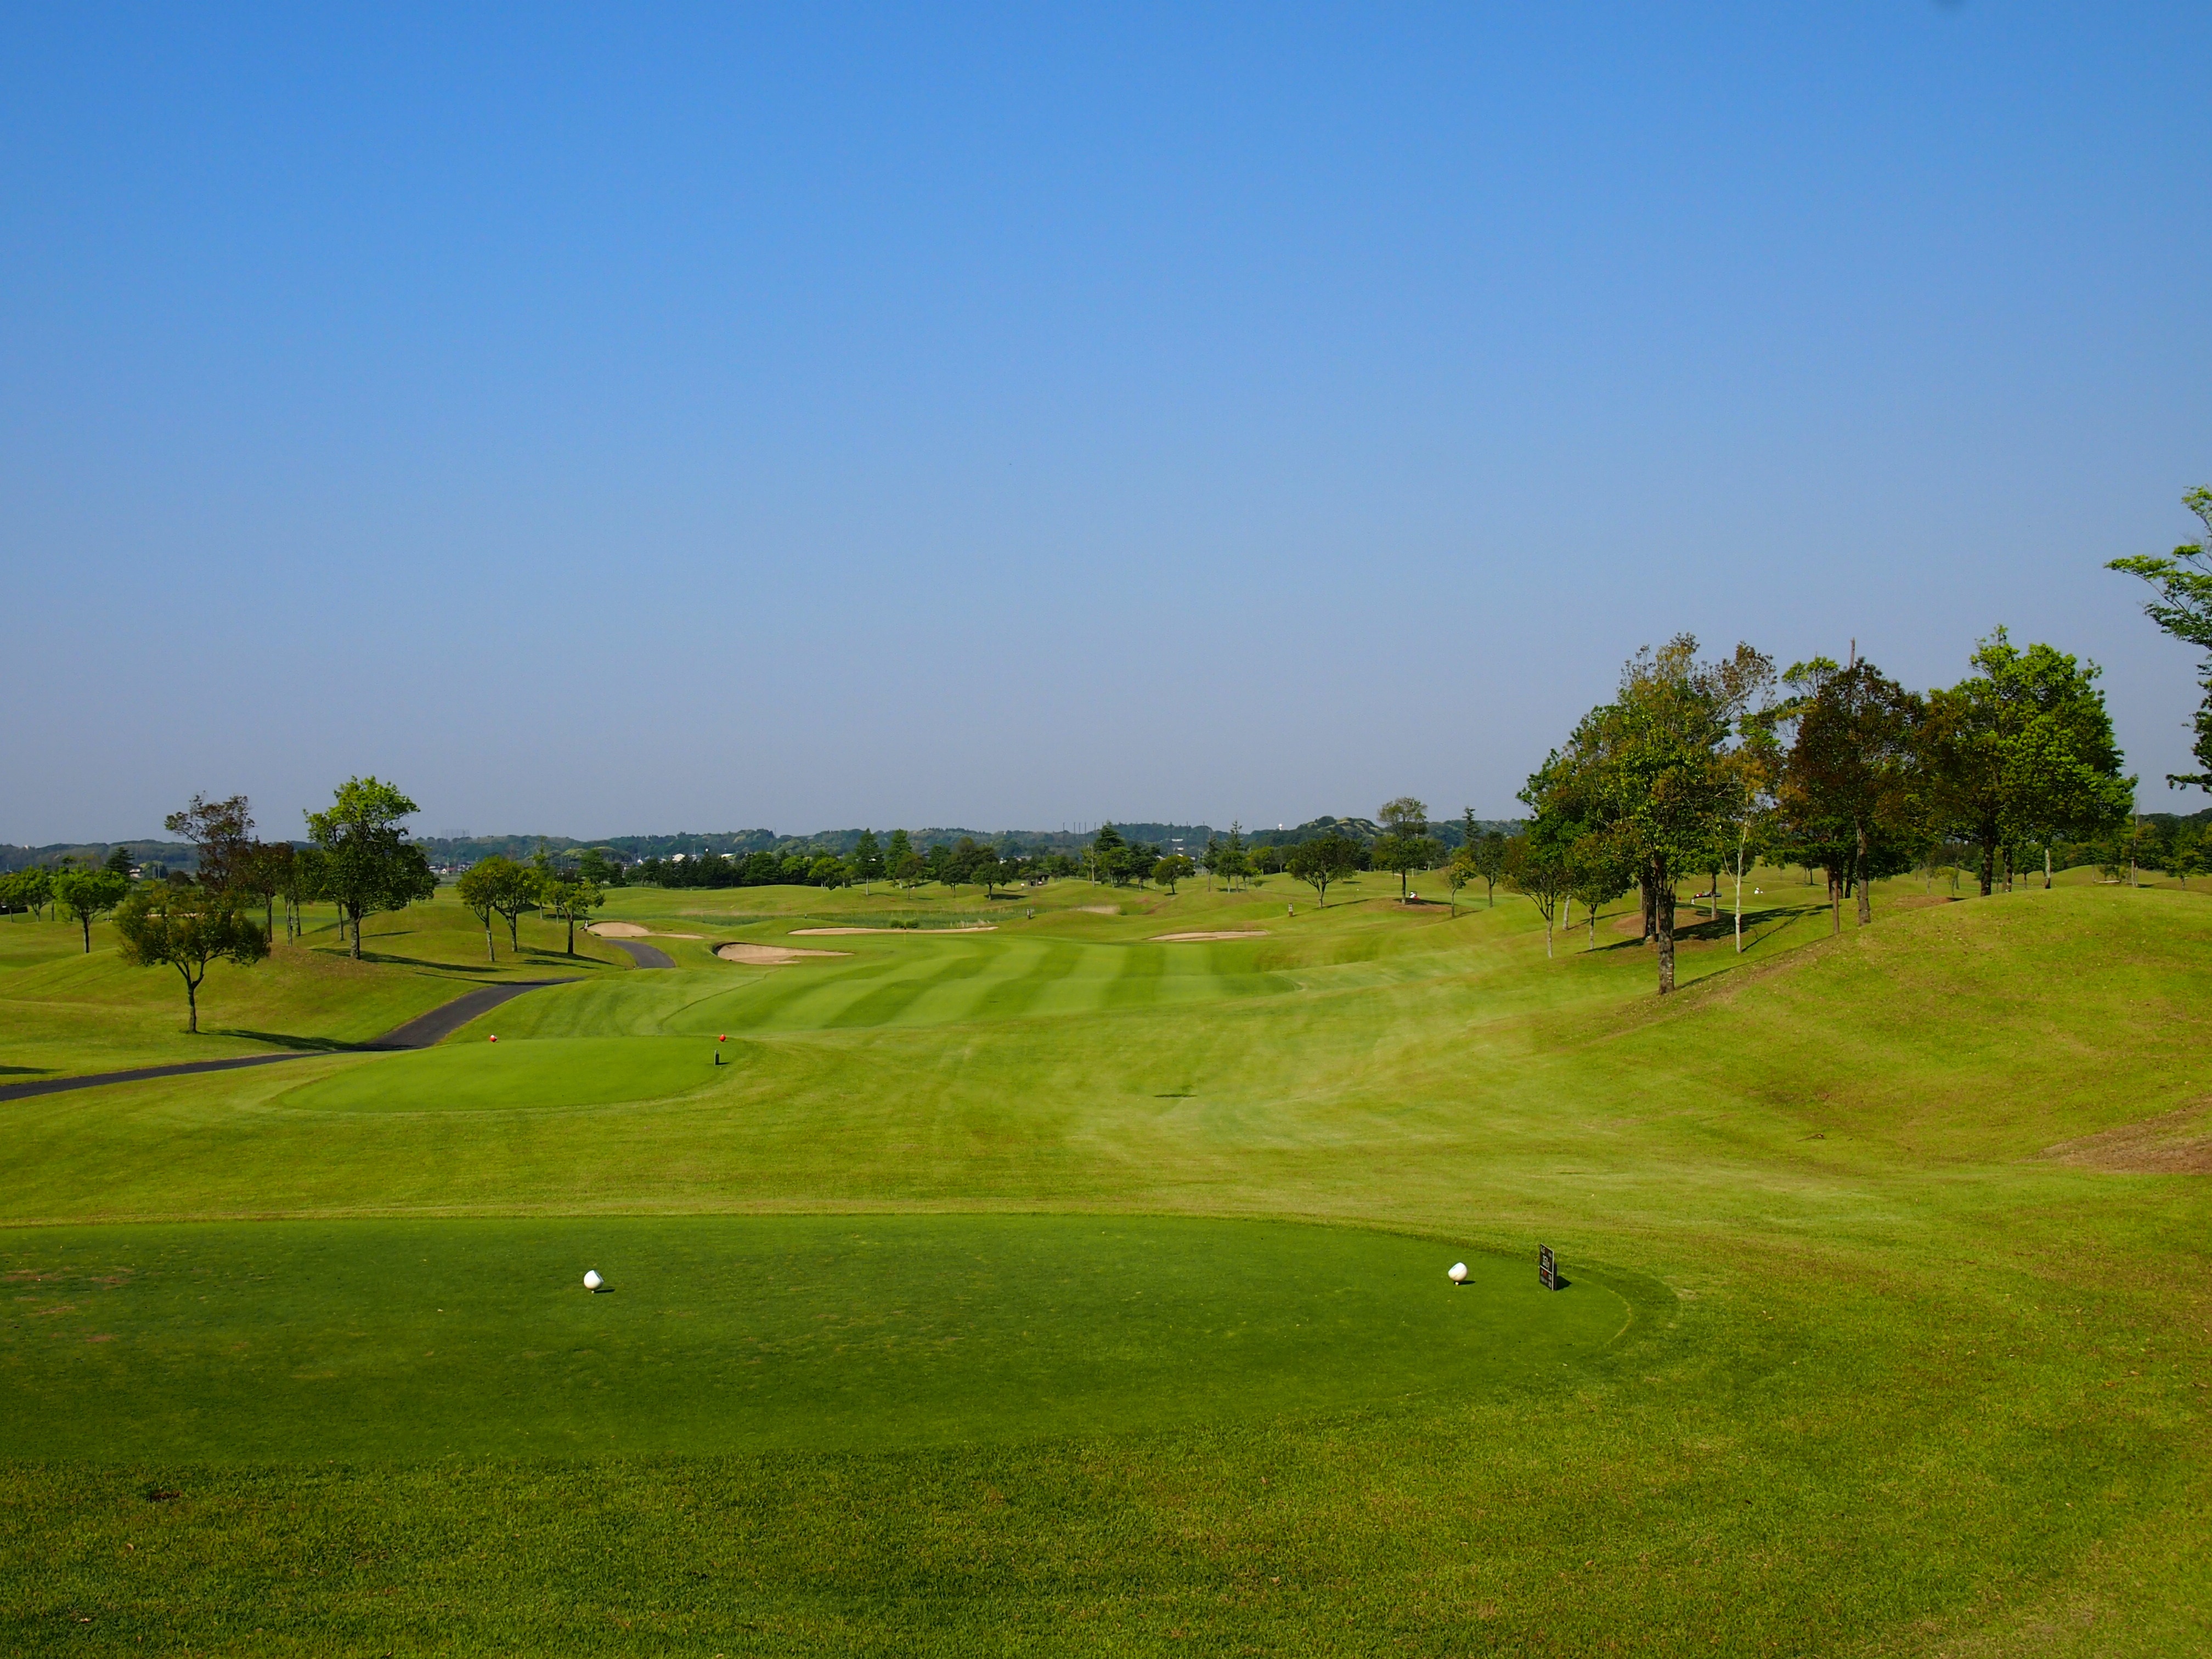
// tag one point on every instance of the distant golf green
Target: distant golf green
(301, 1340)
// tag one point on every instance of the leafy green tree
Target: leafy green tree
(478, 892)
(1405, 845)
(259, 872)
(89, 895)
(117, 862)
(1598, 868)
(370, 864)
(571, 899)
(221, 831)
(1321, 861)
(1173, 868)
(1536, 868)
(868, 858)
(514, 888)
(1106, 851)
(187, 927)
(907, 868)
(2183, 609)
(303, 885)
(32, 890)
(1850, 783)
(1661, 769)
(2021, 751)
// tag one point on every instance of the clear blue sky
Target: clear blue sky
(603, 422)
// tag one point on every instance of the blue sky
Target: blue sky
(603, 422)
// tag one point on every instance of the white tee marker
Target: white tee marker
(1456, 1272)
(591, 1279)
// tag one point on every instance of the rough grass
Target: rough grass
(1905, 1386)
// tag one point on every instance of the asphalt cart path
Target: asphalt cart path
(417, 1033)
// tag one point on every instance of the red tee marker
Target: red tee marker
(494, 1039)
(725, 1037)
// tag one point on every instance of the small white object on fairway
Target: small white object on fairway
(591, 1279)
(1456, 1272)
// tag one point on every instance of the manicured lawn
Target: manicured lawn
(977, 1304)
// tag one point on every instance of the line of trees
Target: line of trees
(1699, 767)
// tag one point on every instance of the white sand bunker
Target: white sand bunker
(818, 933)
(770, 956)
(1192, 939)
(631, 930)
(1100, 909)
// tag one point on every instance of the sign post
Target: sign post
(1548, 1268)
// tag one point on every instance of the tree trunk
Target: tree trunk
(490, 954)
(191, 1006)
(1739, 899)
(1835, 905)
(87, 920)
(572, 934)
(1866, 898)
(2047, 869)
(1989, 866)
(1662, 900)
(1567, 915)
(1644, 897)
(356, 932)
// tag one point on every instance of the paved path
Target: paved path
(644, 955)
(418, 1033)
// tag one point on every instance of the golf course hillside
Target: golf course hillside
(1064, 1273)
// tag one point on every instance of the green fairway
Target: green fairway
(1057, 1290)
(302, 1342)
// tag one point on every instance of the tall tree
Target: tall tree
(89, 895)
(1173, 868)
(260, 871)
(571, 899)
(867, 859)
(187, 929)
(2023, 750)
(221, 831)
(2183, 609)
(477, 891)
(1536, 867)
(369, 863)
(1851, 781)
(511, 888)
(1405, 844)
(1662, 768)
(1321, 861)
(1107, 848)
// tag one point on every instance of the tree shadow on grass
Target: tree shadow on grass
(305, 1045)
(25, 1070)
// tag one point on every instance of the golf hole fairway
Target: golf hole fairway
(551, 1074)
(284, 1342)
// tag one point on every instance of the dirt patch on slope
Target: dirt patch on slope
(2173, 1143)
(770, 956)
(1189, 938)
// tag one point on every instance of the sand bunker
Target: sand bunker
(1189, 938)
(770, 956)
(818, 933)
(631, 930)
(1100, 909)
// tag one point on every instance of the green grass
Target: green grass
(1053, 1357)
(65, 1013)
(379, 1341)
